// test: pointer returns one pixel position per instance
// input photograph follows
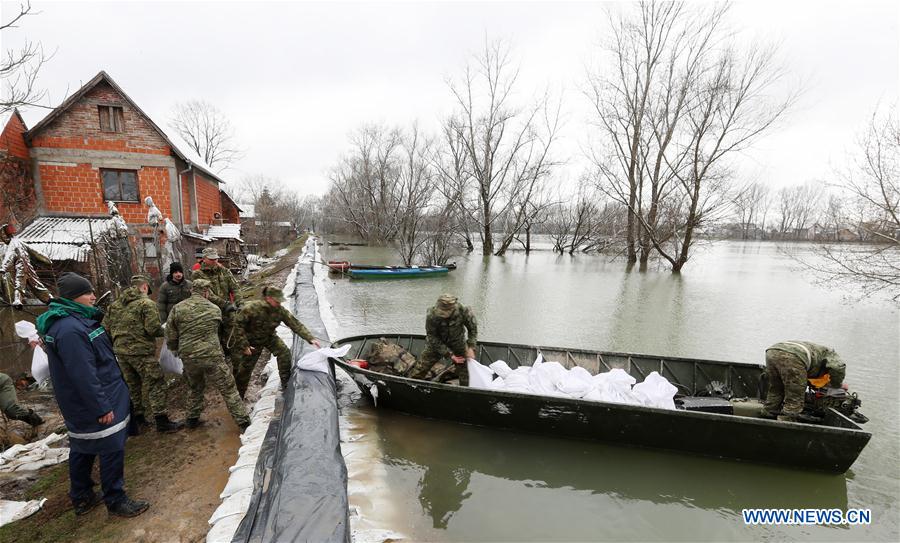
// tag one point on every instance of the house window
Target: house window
(111, 118)
(120, 185)
(149, 248)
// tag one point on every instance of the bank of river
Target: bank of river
(446, 481)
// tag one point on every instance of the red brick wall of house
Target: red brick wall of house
(230, 211)
(79, 127)
(79, 190)
(208, 200)
(11, 139)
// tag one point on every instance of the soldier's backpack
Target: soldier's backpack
(390, 358)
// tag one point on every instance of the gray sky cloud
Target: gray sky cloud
(296, 78)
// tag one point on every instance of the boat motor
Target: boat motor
(818, 400)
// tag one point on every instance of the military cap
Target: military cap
(211, 253)
(199, 285)
(445, 306)
(273, 292)
(138, 280)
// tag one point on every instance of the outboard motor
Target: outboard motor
(818, 400)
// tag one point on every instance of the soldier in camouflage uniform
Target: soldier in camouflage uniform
(257, 322)
(9, 404)
(192, 333)
(789, 364)
(446, 344)
(225, 292)
(133, 324)
(389, 358)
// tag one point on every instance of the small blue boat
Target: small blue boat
(398, 273)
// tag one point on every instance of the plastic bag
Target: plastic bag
(40, 366)
(501, 368)
(544, 376)
(480, 376)
(168, 362)
(318, 360)
(656, 391)
(26, 330)
(576, 382)
(613, 386)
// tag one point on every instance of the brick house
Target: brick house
(99, 146)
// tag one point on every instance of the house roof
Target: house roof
(230, 199)
(191, 158)
(225, 231)
(64, 238)
(248, 211)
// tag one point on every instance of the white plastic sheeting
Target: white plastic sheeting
(318, 360)
(553, 379)
(33, 456)
(11, 511)
(40, 365)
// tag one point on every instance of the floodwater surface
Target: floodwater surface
(451, 482)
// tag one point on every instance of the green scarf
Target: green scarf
(63, 307)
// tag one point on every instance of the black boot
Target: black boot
(87, 504)
(243, 426)
(126, 507)
(140, 421)
(193, 423)
(163, 424)
(32, 418)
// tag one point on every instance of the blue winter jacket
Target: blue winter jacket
(87, 383)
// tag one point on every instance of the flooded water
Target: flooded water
(433, 480)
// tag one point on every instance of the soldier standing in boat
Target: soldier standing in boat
(788, 365)
(451, 334)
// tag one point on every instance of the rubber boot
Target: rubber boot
(140, 421)
(164, 425)
(194, 423)
(33, 418)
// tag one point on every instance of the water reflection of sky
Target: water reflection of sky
(734, 299)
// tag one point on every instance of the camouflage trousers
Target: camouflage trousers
(439, 367)
(197, 371)
(9, 405)
(787, 384)
(145, 382)
(243, 365)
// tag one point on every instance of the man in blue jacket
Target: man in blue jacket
(91, 394)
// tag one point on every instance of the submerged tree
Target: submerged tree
(676, 101)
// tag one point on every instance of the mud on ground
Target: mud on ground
(180, 474)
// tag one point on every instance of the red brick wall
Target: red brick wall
(79, 189)
(208, 200)
(230, 211)
(79, 127)
(11, 139)
(186, 198)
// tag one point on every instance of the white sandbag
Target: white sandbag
(518, 380)
(234, 504)
(501, 368)
(576, 382)
(40, 365)
(656, 391)
(480, 376)
(318, 360)
(497, 384)
(168, 362)
(613, 386)
(240, 480)
(544, 376)
(11, 511)
(26, 330)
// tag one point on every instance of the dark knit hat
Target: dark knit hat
(175, 267)
(71, 285)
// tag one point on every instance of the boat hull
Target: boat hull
(395, 273)
(832, 447)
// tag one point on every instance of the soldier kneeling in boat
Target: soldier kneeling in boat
(789, 364)
(446, 344)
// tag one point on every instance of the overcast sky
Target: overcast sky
(297, 78)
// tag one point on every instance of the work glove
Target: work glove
(230, 308)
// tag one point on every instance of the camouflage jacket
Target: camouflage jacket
(133, 324)
(449, 334)
(170, 294)
(818, 359)
(257, 322)
(224, 285)
(192, 330)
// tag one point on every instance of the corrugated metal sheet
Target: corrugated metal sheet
(225, 231)
(63, 238)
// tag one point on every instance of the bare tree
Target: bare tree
(416, 188)
(872, 183)
(679, 102)
(506, 145)
(207, 131)
(19, 68)
(750, 205)
(799, 206)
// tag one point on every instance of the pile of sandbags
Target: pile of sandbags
(553, 379)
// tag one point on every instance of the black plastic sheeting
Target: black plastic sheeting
(300, 484)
